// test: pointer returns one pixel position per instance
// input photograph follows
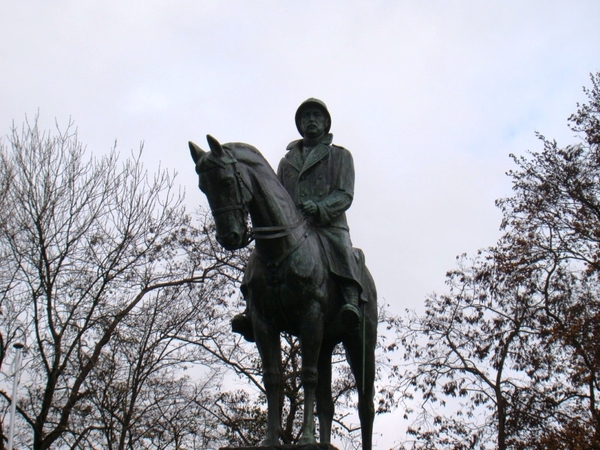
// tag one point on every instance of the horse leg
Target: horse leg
(361, 357)
(269, 347)
(325, 405)
(311, 337)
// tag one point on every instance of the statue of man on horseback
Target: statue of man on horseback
(319, 176)
(303, 277)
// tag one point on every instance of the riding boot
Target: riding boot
(241, 323)
(349, 313)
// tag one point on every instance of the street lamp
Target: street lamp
(13, 404)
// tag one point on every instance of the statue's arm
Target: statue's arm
(341, 191)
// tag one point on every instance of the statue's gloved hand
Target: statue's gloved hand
(308, 208)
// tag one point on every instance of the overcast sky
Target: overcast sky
(429, 96)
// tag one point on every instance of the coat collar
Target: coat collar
(320, 151)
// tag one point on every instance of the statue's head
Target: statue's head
(312, 118)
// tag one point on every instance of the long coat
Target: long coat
(327, 178)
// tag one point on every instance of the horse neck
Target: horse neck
(272, 206)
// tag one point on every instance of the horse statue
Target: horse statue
(288, 287)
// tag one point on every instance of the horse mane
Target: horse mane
(243, 153)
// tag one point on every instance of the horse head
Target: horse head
(227, 188)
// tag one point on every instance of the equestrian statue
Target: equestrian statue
(303, 276)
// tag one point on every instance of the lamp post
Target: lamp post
(13, 404)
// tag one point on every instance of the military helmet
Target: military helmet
(312, 102)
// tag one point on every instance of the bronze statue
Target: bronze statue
(303, 276)
(319, 177)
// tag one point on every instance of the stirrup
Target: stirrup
(350, 316)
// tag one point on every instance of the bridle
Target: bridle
(256, 233)
(240, 204)
(265, 233)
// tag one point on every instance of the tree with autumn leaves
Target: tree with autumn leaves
(509, 356)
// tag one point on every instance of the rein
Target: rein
(265, 233)
(240, 206)
(261, 233)
(279, 231)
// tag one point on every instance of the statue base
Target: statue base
(286, 447)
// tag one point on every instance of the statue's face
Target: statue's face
(313, 121)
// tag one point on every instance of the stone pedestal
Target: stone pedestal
(286, 447)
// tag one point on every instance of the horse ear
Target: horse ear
(196, 152)
(215, 147)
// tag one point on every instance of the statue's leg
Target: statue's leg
(269, 347)
(350, 312)
(325, 406)
(311, 336)
(361, 357)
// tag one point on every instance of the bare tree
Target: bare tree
(88, 245)
(125, 300)
(483, 371)
(515, 340)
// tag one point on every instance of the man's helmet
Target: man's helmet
(312, 102)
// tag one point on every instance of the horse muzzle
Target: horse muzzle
(233, 240)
